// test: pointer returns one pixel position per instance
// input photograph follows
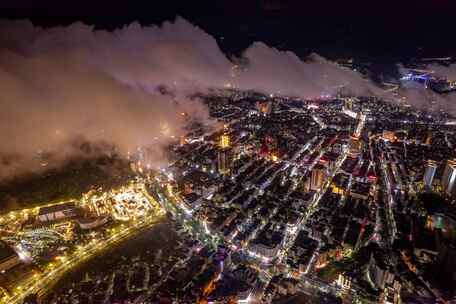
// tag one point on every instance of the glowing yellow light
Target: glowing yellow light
(274, 158)
(224, 141)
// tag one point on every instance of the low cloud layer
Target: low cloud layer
(447, 71)
(425, 98)
(62, 85)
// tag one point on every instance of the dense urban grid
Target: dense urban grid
(332, 200)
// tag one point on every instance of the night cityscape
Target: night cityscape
(194, 156)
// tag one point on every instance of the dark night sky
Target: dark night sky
(368, 30)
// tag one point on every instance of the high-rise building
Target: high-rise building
(379, 273)
(264, 107)
(306, 184)
(224, 141)
(348, 103)
(224, 161)
(449, 176)
(429, 173)
(318, 177)
(224, 156)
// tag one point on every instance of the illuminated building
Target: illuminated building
(265, 251)
(329, 160)
(344, 281)
(360, 190)
(224, 156)
(379, 273)
(338, 148)
(446, 224)
(337, 189)
(306, 184)
(92, 222)
(431, 168)
(428, 139)
(264, 107)
(57, 212)
(274, 156)
(389, 136)
(188, 188)
(318, 177)
(356, 147)
(269, 148)
(224, 141)
(449, 176)
(348, 103)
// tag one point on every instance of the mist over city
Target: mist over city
(75, 82)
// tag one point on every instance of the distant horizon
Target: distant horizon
(381, 32)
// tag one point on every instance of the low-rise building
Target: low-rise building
(92, 222)
(57, 212)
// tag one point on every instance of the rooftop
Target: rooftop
(57, 208)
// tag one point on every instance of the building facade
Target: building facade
(429, 173)
(57, 212)
(449, 177)
(317, 178)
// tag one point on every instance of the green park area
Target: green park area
(68, 182)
